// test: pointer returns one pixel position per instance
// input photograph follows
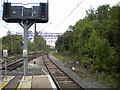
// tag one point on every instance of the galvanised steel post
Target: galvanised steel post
(25, 47)
(35, 42)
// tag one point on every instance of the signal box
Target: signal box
(36, 14)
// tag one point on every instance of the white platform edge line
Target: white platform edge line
(52, 83)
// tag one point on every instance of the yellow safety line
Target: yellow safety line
(18, 88)
(4, 85)
(6, 82)
(20, 84)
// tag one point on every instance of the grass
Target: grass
(61, 58)
(85, 73)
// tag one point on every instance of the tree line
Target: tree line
(95, 40)
(14, 43)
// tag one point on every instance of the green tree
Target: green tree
(95, 39)
(13, 43)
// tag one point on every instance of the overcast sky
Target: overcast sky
(58, 11)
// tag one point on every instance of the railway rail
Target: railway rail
(62, 80)
(16, 61)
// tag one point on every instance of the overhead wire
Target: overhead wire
(58, 11)
(69, 14)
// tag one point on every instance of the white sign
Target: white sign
(24, 53)
(5, 53)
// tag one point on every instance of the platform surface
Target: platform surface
(41, 82)
(32, 82)
(38, 81)
(25, 82)
(5, 81)
(37, 77)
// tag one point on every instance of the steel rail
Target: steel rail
(82, 87)
(17, 61)
(55, 81)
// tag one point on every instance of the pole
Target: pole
(6, 69)
(35, 42)
(25, 26)
(25, 47)
(5, 55)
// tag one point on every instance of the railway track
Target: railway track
(17, 61)
(62, 80)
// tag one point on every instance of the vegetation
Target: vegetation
(14, 44)
(95, 40)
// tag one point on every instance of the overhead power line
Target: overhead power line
(70, 13)
(46, 26)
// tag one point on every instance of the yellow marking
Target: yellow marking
(3, 85)
(18, 88)
(9, 77)
(25, 84)
(6, 82)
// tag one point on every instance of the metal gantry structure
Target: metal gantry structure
(26, 17)
(51, 36)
